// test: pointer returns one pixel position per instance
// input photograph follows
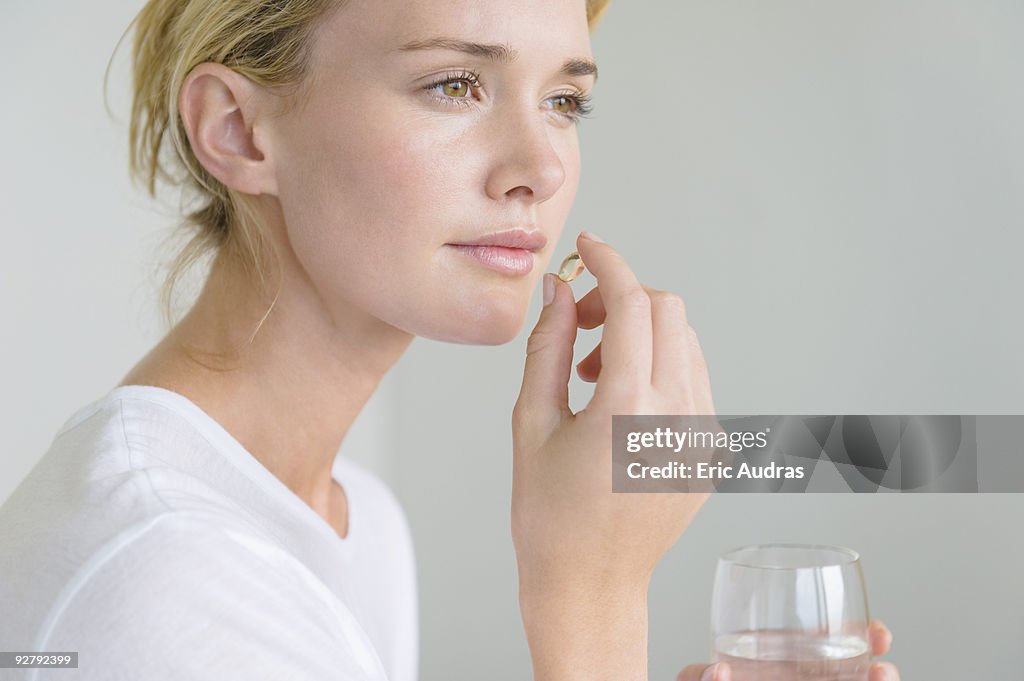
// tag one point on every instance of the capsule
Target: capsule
(571, 267)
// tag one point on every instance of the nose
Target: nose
(526, 165)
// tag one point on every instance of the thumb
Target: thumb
(544, 396)
(705, 672)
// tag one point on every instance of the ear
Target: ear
(220, 110)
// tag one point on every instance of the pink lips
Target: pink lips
(499, 258)
(508, 252)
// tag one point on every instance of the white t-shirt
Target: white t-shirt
(151, 542)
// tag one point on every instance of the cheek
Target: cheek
(369, 205)
(357, 176)
(555, 211)
(367, 213)
(351, 185)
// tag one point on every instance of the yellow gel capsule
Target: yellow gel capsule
(571, 267)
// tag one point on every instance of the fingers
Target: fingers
(590, 310)
(880, 637)
(589, 367)
(883, 671)
(881, 641)
(626, 353)
(590, 314)
(671, 366)
(706, 672)
(703, 398)
(544, 394)
(880, 671)
(678, 362)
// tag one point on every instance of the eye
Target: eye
(454, 86)
(456, 89)
(572, 105)
(564, 101)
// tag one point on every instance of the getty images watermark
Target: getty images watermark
(818, 453)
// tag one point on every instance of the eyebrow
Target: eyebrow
(498, 52)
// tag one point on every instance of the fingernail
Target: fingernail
(549, 287)
(593, 237)
(709, 673)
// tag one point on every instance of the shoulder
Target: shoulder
(208, 601)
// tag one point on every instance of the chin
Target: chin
(483, 325)
(494, 335)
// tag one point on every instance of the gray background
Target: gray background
(835, 188)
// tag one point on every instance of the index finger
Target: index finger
(626, 343)
(880, 636)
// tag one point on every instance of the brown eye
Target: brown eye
(563, 101)
(455, 88)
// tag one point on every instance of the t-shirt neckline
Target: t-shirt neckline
(234, 452)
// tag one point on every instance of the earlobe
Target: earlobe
(220, 114)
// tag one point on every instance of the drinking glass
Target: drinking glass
(791, 612)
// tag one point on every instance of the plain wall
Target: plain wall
(836, 189)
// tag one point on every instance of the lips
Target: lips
(510, 238)
(513, 261)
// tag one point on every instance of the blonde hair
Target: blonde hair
(264, 40)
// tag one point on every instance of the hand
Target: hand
(567, 525)
(590, 313)
(878, 634)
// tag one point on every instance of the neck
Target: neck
(292, 393)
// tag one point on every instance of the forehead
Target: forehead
(546, 29)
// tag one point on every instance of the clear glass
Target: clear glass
(791, 612)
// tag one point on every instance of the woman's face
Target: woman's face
(408, 144)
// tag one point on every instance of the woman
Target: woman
(367, 172)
